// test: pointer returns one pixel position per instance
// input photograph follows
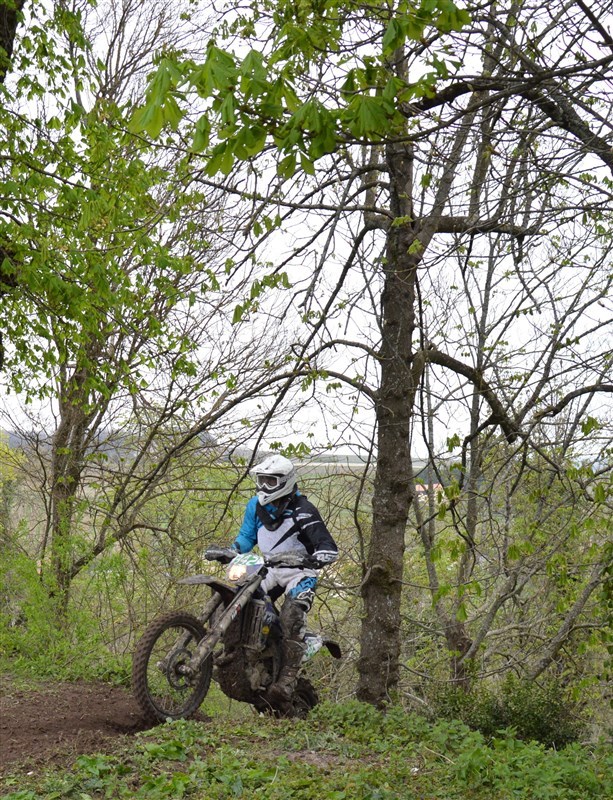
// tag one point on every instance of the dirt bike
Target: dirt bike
(236, 641)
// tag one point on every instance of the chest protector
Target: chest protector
(280, 533)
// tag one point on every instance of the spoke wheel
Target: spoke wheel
(162, 687)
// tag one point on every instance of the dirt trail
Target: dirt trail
(59, 721)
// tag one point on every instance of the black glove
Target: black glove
(222, 554)
(320, 560)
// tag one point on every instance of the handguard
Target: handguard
(222, 554)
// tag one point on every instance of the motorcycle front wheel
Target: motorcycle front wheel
(160, 684)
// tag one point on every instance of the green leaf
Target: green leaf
(514, 552)
(588, 425)
(202, 135)
(253, 65)
(226, 110)
(221, 69)
(369, 116)
(350, 86)
(239, 313)
(443, 590)
(222, 160)
(307, 165)
(227, 162)
(415, 26)
(149, 118)
(172, 113)
(287, 166)
(394, 36)
(452, 491)
(250, 141)
(451, 17)
(453, 442)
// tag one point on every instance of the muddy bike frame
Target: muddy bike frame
(242, 597)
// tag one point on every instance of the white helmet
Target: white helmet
(275, 477)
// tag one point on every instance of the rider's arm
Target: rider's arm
(247, 536)
(314, 534)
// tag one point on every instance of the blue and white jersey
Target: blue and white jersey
(300, 528)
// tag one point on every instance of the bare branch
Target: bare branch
(552, 410)
(499, 415)
(568, 625)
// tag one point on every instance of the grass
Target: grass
(342, 752)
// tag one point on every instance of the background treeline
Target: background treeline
(521, 677)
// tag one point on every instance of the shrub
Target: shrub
(34, 642)
(543, 712)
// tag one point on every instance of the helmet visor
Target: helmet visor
(268, 483)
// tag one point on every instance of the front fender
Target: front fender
(227, 592)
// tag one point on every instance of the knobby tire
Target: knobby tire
(161, 690)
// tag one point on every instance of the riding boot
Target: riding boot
(282, 690)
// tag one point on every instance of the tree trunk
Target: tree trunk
(9, 20)
(382, 585)
(68, 452)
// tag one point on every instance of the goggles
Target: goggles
(269, 482)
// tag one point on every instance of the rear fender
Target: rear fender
(314, 642)
(333, 648)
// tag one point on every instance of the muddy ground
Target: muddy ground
(57, 722)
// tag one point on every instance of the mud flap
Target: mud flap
(333, 648)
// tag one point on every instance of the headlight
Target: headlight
(236, 572)
(244, 565)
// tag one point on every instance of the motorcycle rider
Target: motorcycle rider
(280, 519)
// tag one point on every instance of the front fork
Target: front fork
(207, 644)
(209, 608)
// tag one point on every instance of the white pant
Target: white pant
(285, 578)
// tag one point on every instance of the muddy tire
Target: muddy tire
(305, 698)
(161, 688)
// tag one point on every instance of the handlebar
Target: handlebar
(288, 559)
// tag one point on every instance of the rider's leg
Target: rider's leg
(293, 625)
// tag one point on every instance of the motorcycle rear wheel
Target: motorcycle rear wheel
(162, 690)
(305, 698)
